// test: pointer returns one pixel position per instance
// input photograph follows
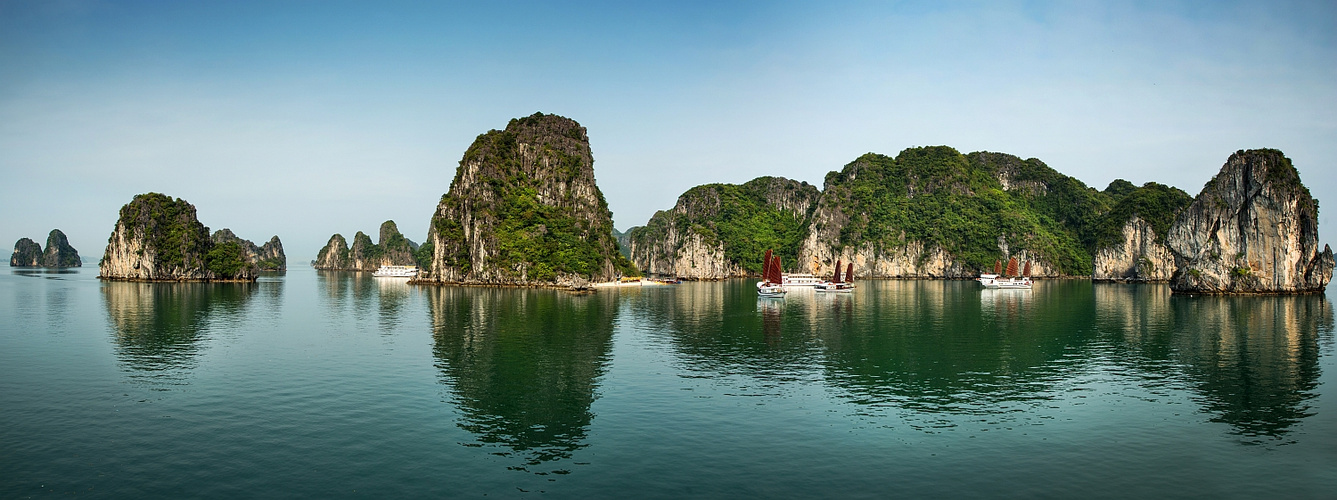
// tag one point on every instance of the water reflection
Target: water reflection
(523, 366)
(354, 291)
(951, 347)
(159, 328)
(1253, 361)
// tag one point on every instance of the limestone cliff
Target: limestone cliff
(393, 250)
(266, 258)
(934, 213)
(1252, 229)
(1131, 238)
(719, 231)
(27, 253)
(524, 209)
(59, 253)
(158, 238)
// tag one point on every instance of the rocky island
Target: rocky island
(392, 250)
(932, 212)
(524, 210)
(268, 257)
(1253, 229)
(58, 253)
(159, 238)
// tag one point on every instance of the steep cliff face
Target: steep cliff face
(266, 258)
(334, 255)
(1137, 256)
(27, 253)
(59, 253)
(158, 238)
(393, 250)
(524, 209)
(935, 213)
(1130, 239)
(718, 231)
(1252, 229)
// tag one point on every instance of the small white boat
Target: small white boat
(836, 284)
(396, 272)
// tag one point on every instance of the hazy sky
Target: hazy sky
(304, 119)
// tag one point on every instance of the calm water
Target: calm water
(339, 385)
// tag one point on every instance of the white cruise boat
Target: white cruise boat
(799, 279)
(836, 284)
(396, 272)
(1012, 281)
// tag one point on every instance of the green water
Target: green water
(324, 385)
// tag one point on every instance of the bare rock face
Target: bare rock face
(27, 253)
(393, 250)
(1137, 257)
(1253, 229)
(158, 238)
(719, 231)
(267, 258)
(59, 253)
(524, 210)
(334, 255)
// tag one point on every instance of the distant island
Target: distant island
(159, 238)
(932, 212)
(58, 253)
(393, 249)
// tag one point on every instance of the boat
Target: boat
(396, 272)
(799, 279)
(1009, 280)
(772, 280)
(836, 284)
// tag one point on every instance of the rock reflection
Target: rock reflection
(950, 347)
(159, 328)
(523, 366)
(365, 296)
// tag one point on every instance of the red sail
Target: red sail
(849, 273)
(836, 278)
(766, 266)
(1011, 267)
(1027, 272)
(997, 267)
(776, 271)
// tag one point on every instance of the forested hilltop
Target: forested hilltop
(928, 212)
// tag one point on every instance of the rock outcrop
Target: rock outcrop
(1253, 229)
(269, 257)
(934, 213)
(393, 250)
(719, 231)
(27, 253)
(59, 253)
(158, 238)
(1130, 243)
(524, 209)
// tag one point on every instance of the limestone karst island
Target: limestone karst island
(524, 209)
(58, 253)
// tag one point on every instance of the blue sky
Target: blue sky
(304, 119)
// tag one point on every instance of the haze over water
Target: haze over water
(330, 384)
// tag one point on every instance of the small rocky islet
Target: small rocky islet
(58, 253)
(160, 238)
(393, 249)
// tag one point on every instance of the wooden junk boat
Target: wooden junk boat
(1010, 280)
(836, 284)
(772, 279)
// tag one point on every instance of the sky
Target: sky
(304, 119)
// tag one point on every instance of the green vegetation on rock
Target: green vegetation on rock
(1156, 204)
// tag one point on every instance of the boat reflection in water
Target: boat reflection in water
(159, 328)
(1253, 360)
(522, 367)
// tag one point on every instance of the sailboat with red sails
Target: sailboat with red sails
(838, 283)
(772, 277)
